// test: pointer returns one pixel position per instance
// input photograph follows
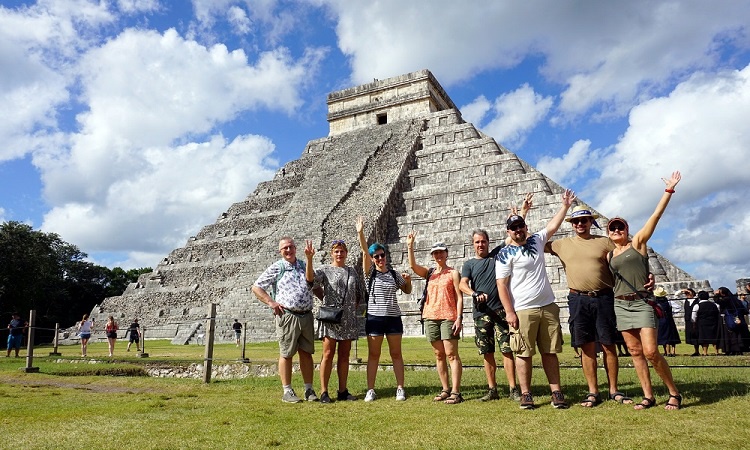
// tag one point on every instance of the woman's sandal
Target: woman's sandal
(454, 399)
(671, 406)
(646, 403)
(442, 396)
(619, 397)
(591, 400)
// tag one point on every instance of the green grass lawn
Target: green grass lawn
(53, 409)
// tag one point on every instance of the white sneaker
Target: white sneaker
(400, 395)
(370, 395)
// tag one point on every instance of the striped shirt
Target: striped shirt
(382, 301)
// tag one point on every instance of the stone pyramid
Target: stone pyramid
(398, 153)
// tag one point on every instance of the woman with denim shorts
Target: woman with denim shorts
(383, 318)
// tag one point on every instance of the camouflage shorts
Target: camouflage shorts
(486, 330)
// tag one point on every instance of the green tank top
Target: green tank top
(631, 266)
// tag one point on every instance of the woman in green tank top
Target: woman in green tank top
(635, 317)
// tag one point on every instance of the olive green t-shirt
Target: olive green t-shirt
(584, 261)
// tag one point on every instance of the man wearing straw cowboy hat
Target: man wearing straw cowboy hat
(590, 300)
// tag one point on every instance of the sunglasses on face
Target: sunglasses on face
(378, 256)
(617, 227)
(517, 227)
(579, 220)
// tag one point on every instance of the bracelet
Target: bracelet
(671, 191)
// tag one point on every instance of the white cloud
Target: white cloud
(239, 20)
(607, 54)
(136, 6)
(573, 167)
(701, 130)
(515, 114)
(476, 111)
(175, 191)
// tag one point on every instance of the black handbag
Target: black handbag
(333, 314)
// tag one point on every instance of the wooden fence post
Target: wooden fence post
(30, 345)
(209, 355)
(56, 342)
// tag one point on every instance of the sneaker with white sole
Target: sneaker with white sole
(310, 395)
(527, 401)
(400, 395)
(371, 396)
(290, 397)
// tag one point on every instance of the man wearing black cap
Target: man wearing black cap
(529, 302)
(590, 300)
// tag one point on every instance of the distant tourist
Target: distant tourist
(705, 317)
(530, 308)
(340, 286)
(733, 334)
(16, 328)
(85, 328)
(111, 331)
(634, 307)
(282, 286)
(443, 317)
(237, 327)
(383, 320)
(667, 335)
(691, 336)
(135, 335)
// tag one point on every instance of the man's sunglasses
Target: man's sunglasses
(517, 227)
(578, 220)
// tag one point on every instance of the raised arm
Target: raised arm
(554, 223)
(640, 239)
(419, 270)
(309, 253)
(366, 263)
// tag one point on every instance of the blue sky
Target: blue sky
(127, 125)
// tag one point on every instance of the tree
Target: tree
(41, 271)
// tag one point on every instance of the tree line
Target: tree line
(40, 271)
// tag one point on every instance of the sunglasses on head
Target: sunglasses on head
(617, 227)
(338, 242)
(378, 256)
(578, 220)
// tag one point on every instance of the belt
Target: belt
(297, 313)
(632, 296)
(598, 293)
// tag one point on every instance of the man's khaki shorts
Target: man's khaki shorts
(295, 332)
(540, 327)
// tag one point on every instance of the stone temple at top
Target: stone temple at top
(398, 153)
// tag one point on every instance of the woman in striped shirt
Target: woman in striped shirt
(383, 318)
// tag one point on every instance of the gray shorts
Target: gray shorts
(634, 314)
(295, 332)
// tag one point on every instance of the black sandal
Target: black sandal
(619, 397)
(442, 396)
(591, 400)
(646, 403)
(677, 397)
(454, 399)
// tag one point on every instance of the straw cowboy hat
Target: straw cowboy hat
(581, 211)
(660, 292)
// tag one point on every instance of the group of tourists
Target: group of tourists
(86, 327)
(720, 322)
(514, 305)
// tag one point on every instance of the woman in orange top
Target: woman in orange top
(442, 315)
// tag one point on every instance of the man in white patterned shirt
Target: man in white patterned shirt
(282, 286)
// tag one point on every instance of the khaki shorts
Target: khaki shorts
(295, 332)
(439, 330)
(540, 327)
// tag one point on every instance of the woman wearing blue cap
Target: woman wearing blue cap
(383, 320)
